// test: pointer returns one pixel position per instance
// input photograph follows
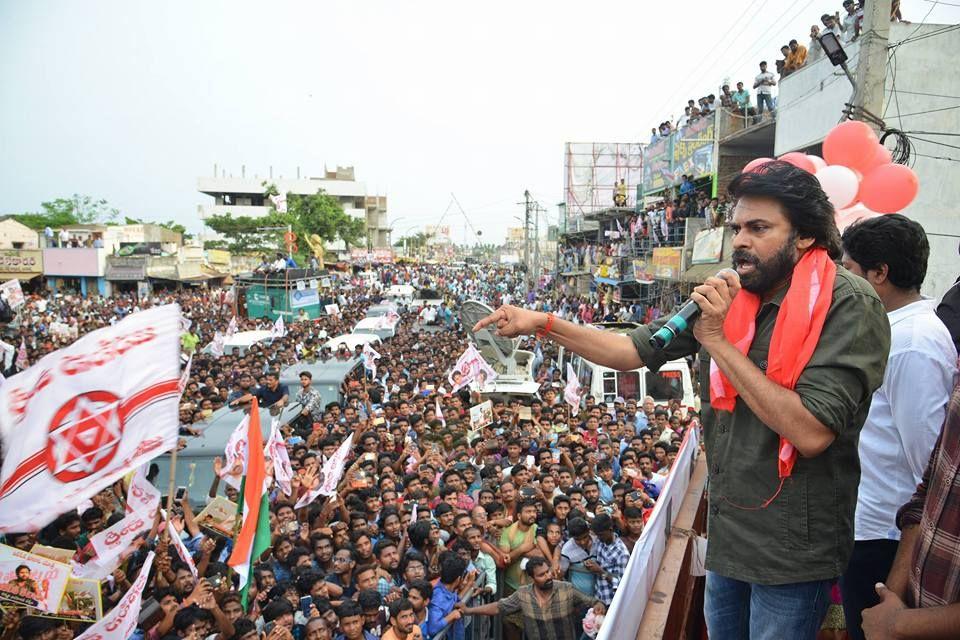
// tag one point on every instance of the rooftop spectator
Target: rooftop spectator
(815, 50)
(851, 21)
(782, 63)
(763, 84)
(741, 100)
(831, 24)
(726, 98)
(796, 58)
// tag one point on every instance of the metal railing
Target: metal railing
(480, 627)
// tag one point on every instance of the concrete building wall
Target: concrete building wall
(16, 235)
(247, 195)
(811, 102)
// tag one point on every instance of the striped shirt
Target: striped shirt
(935, 507)
(558, 620)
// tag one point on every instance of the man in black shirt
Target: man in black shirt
(949, 312)
(272, 394)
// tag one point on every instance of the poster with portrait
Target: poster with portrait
(12, 293)
(30, 580)
(481, 415)
(219, 517)
(82, 600)
(471, 369)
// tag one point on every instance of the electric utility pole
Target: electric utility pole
(872, 66)
(528, 207)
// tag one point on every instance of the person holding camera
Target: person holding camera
(611, 558)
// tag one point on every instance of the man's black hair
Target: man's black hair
(349, 609)
(419, 533)
(369, 599)
(383, 544)
(800, 195)
(451, 569)
(399, 606)
(188, 615)
(533, 563)
(893, 240)
(577, 527)
(423, 587)
(632, 513)
(305, 581)
(91, 514)
(242, 627)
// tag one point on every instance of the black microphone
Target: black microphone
(678, 323)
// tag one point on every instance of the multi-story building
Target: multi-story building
(919, 101)
(243, 196)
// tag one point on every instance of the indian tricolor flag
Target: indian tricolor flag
(254, 536)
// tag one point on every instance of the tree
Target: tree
(245, 234)
(67, 211)
(415, 241)
(318, 214)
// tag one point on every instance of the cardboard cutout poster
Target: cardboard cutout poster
(30, 580)
(471, 369)
(82, 600)
(481, 415)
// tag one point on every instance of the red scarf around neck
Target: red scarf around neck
(796, 334)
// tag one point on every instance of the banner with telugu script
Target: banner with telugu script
(693, 149)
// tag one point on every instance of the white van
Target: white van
(671, 382)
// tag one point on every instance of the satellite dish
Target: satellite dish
(493, 347)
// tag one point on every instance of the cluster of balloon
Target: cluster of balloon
(856, 173)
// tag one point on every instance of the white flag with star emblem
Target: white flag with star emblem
(86, 415)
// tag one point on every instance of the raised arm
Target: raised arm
(601, 347)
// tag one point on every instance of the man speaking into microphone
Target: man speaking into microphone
(791, 348)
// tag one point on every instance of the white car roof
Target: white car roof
(246, 338)
(377, 322)
(352, 340)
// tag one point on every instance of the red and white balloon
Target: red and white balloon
(856, 173)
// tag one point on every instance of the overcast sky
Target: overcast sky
(132, 101)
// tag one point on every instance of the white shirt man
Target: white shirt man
(905, 417)
(848, 25)
(906, 411)
(764, 81)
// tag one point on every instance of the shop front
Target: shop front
(127, 274)
(76, 269)
(25, 265)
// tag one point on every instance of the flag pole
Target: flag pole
(173, 479)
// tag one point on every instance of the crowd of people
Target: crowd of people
(659, 224)
(438, 523)
(794, 56)
(431, 520)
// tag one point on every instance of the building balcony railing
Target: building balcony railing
(208, 210)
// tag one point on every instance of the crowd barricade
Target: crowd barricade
(480, 627)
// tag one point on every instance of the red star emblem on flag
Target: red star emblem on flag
(84, 435)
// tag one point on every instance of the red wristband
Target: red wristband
(543, 333)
